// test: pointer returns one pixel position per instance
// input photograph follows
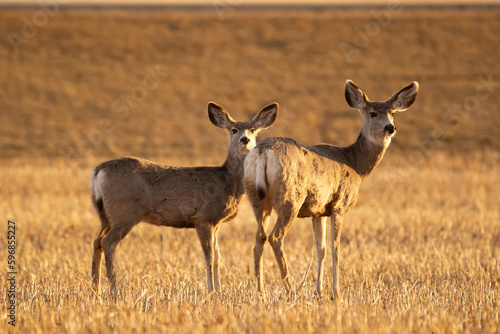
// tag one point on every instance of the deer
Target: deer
(318, 181)
(129, 190)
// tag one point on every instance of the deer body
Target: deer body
(307, 175)
(127, 191)
(317, 181)
(169, 196)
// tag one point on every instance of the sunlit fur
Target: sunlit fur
(317, 181)
(127, 191)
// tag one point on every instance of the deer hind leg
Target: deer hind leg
(285, 220)
(206, 236)
(116, 233)
(319, 226)
(97, 258)
(263, 214)
(337, 221)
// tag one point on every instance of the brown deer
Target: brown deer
(317, 181)
(127, 191)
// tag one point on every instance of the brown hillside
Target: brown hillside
(58, 89)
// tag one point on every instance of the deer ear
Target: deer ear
(266, 117)
(355, 96)
(403, 99)
(219, 116)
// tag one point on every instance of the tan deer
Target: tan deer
(127, 191)
(317, 181)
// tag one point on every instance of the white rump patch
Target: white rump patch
(250, 165)
(96, 183)
(273, 167)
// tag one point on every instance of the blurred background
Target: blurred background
(85, 82)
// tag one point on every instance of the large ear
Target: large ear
(266, 117)
(218, 116)
(403, 99)
(355, 96)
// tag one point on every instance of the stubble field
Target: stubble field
(419, 253)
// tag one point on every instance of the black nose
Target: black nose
(390, 129)
(244, 140)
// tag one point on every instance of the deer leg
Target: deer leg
(109, 243)
(206, 236)
(337, 221)
(277, 238)
(97, 258)
(319, 226)
(263, 215)
(216, 261)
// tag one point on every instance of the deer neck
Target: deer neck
(234, 166)
(364, 155)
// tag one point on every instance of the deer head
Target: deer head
(242, 135)
(378, 125)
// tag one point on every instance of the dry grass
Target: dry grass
(420, 252)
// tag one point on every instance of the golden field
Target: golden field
(419, 253)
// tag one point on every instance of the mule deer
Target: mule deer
(317, 181)
(127, 191)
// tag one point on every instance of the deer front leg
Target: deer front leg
(319, 225)
(337, 221)
(216, 261)
(206, 236)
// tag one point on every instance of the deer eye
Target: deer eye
(234, 130)
(393, 113)
(373, 114)
(252, 130)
